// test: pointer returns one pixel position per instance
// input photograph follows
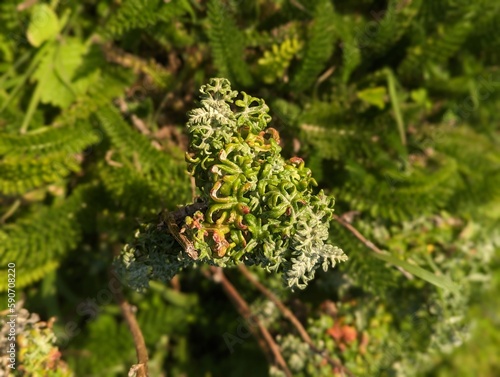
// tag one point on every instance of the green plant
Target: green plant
(258, 209)
(35, 350)
(392, 105)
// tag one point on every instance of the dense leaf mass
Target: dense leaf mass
(260, 209)
(392, 107)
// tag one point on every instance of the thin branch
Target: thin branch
(298, 5)
(369, 244)
(25, 5)
(12, 209)
(141, 368)
(107, 158)
(136, 121)
(288, 314)
(244, 310)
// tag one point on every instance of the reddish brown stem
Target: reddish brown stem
(288, 314)
(269, 345)
(369, 244)
(141, 368)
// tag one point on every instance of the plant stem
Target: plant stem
(369, 244)
(288, 314)
(391, 83)
(141, 368)
(244, 310)
(12, 209)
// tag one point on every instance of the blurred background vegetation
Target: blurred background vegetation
(394, 106)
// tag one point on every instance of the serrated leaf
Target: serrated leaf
(44, 25)
(57, 70)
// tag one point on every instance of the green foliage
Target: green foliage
(56, 76)
(107, 337)
(20, 176)
(436, 50)
(127, 143)
(392, 106)
(227, 44)
(274, 63)
(393, 23)
(159, 313)
(255, 200)
(319, 46)
(35, 343)
(44, 25)
(65, 139)
(154, 255)
(474, 355)
(143, 14)
(260, 209)
(42, 237)
(364, 334)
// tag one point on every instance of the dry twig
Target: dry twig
(263, 336)
(288, 314)
(25, 5)
(141, 368)
(369, 244)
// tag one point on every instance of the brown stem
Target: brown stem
(141, 368)
(244, 310)
(369, 244)
(174, 220)
(13, 208)
(25, 5)
(288, 314)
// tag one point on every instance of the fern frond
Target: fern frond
(33, 275)
(42, 237)
(432, 12)
(10, 18)
(112, 82)
(227, 43)
(484, 39)
(137, 14)
(67, 139)
(20, 175)
(393, 25)
(478, 162)
(11, 33)
(346, 26)
(331, 143)
(129, 142)
(147, 171)
(436, 50)
(331, 133)
(133, 14)
(397, 195)
(319, 47)
(139, 193)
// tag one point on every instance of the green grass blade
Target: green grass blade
(439, 281)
